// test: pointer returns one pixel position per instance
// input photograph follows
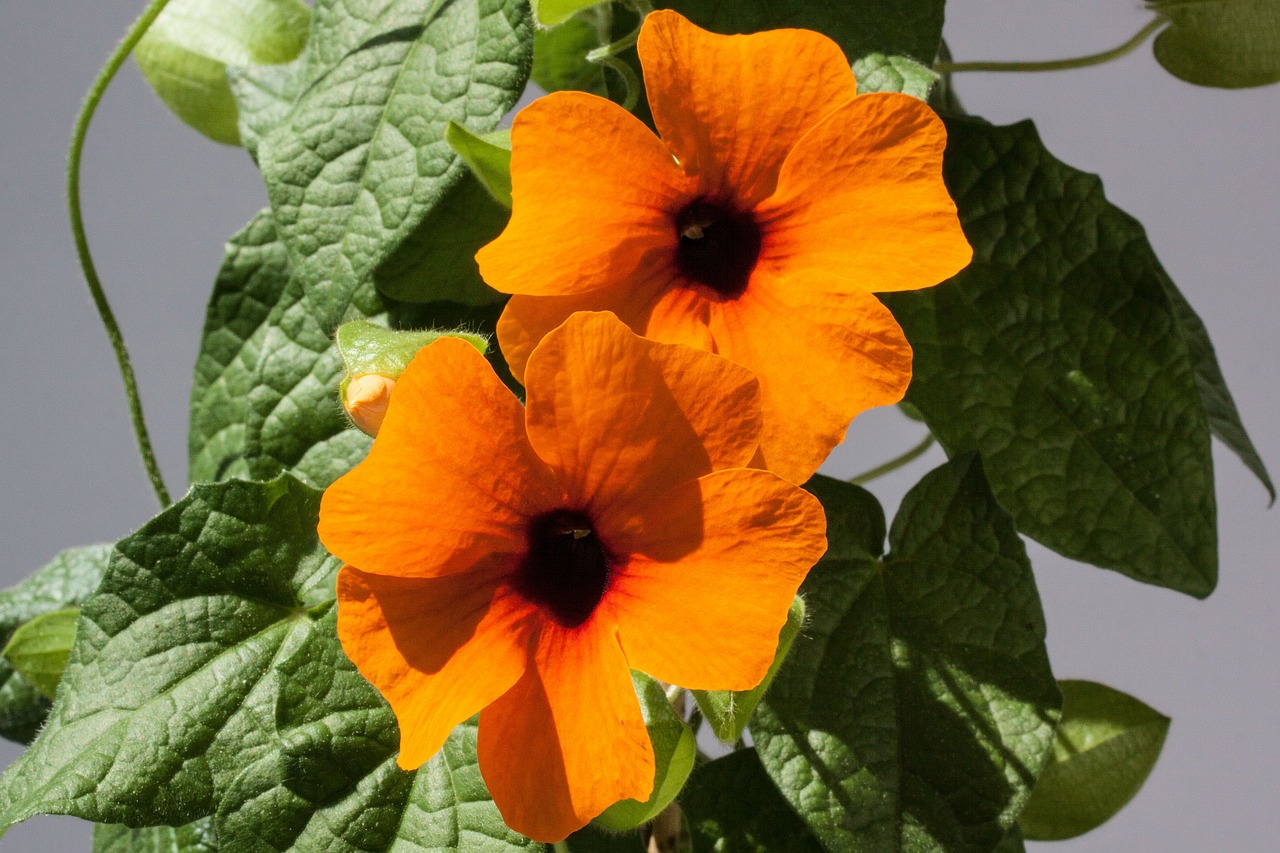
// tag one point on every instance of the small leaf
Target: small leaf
(876, 72)
(185, 54)
(38, 650)
(369, 348)
(674, 749)
(1230, 44)
(728, 712)
(917, 707)
(733, 807)
(488, 156)
(550, 13)
(1106, 746)
(560, 58)
(198, 837)
(858, 527)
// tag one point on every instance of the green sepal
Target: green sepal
(550, 13)
(674, 749)
(487, 155)
(728, 712)
(369, 348)
(1230, 44)
(38, 650)
(185, 54)
(1106, 746)
(876, 72)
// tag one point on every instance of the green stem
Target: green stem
(561, 847)
(1058, 64)
(895, 463)
(74, 156)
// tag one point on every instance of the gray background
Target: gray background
(1198, 167)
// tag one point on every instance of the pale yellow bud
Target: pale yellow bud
(366, 400)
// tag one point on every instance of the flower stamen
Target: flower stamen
(566, 570)
(718, 248)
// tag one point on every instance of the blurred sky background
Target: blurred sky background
(1198, 167)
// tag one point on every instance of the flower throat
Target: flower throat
(566, 569)
(719, 247)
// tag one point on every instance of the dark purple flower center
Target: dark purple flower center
(719, 246)
(567, 569)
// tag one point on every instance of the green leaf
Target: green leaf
(560, 58)
(1219, 407)
(38, 650)
(895, 27)
(1057, 355)
(264, 95)
(674, 748)
(1231, 44)
(1012, 842)
(592, 839)
(1107, 744)
(170, 689)
(729, 712)
(185, 54)
(876, 72)
(550, 13)
(917, 708)
(733, 807)
(859, 524)
(488, 157)
(361, 158)
(331, 782)
(67, 580)
(197, 837)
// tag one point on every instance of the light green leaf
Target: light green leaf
(917, 707)
(560, 58)
(198, 837)
(185, 54)
(729, 712)
(1057, 355)
(895, 27)
(674, 749)
(170, 689)
(1231, 44)
(732, 806)
(369, 348)
(488, 157)
(1106, 746)
(264, 95)
(331, 781)
(67, 580)
(550, 13)
(38, 650)
(876, 72)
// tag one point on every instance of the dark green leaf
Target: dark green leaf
(906, 27)
(170, 689)
(195, 837)
(1107, 744)
(560, 58)
(1057, 355)
(855, 519)
(876, 72)
(67, 580)
(332, 783)
(38, 650)
(1012, 842)
(1226, 43)
(593, 839)
(733, 807)
(917, 707)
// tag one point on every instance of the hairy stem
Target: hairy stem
(895, 463)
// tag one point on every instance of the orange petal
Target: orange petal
(822, 357)
(862, 197)
(451, 477)
(731, 107)
(621, 418)
(710, 620)
(568, 740)
(437, 649)
(594, 197)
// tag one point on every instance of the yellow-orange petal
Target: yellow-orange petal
(451, 477)
(621, 418)
(731, 107)
(594, 197)
(861, 197)
(710, 619)
(568, 740)
(824, 351)
(437, 649)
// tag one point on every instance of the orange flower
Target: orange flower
(758, 227)
(523, 560)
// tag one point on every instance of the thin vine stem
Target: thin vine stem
(895, 463)
(74, 157)
(607, 54)
(1059, 64)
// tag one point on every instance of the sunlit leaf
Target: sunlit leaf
(197, 837)
(550, 13)
(488, 157)
(38, 650)
(876, 72)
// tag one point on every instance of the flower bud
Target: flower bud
(366, 399)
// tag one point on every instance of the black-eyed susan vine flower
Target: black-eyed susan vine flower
(759, 226)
